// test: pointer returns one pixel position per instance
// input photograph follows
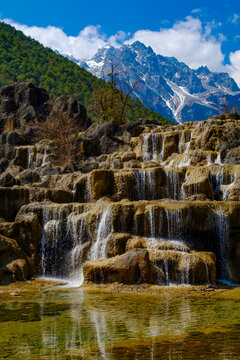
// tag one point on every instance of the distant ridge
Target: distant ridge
(167, 86)
(24, 59)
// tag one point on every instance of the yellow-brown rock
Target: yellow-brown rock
(102, 183)
(13, 262)
(184, 267)
(124, 183)
(133, 267)
(116, 245)
(198, 182)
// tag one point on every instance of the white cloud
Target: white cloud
(189, 41)
(234, 68)
(83, 46)
(195, 11)
(234, 19)
(117, 40)
(192, 44)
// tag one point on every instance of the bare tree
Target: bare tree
(62, 131)
(112, 100)
(224, 108)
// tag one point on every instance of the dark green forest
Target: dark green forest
(24, 59)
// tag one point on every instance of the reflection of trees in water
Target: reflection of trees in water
(98, 322)
(106, 326)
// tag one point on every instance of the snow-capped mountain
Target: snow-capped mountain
(164, 84)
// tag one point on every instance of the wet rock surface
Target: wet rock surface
(145, 203)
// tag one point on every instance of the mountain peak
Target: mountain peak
(166, 85)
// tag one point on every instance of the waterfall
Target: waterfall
(44, 157)
(152, 184)
(152, 147)
(184, 276)
(67, 242)
(174, 224)
(79, 246)
(187, 147)
(184, 162)
(222, 228)
(218, 159)
(53, 245)
(221, 183)
(152, 222)
(140, 184)
(87, 193)
(146, 185)
(103, 232)
(194, 189)
(173, 187)
(145, 148)
(30, 157)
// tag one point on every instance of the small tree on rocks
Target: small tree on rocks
(63, 132)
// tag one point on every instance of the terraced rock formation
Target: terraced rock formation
(146, 204)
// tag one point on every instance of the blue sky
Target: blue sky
(205, 32)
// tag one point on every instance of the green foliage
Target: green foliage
(24, 59)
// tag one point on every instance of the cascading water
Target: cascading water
(152, 147)
(140, 185)
(54, 246)
(44, 158)
(30, 157)
(169, 252)
(103, 232)
(184, 162)
(222, 228)
(69, 238)
(67, 243)
(88, 195)
(80, 242)
(173, 186)
(147, 154)
(174, 224)
(146, 184)
(221, 183)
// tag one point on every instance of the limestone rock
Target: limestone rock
(188, 268)
(19, 270)
(116, 244)
(24, 156)
(8, 141)
(136, 243)
(117, 164)
(133, 164)
(133, 267)
(11, 200)
(3, 164)
(198, 183)
(72, 109)
(102, 182)
(127, 156)
(13, 262)
(29, 176)
(124, 183)
(170, 145)
(23, 101)
(7, 180)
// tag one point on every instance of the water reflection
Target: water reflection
(87, 325)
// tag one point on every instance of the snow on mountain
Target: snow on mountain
(164, 84)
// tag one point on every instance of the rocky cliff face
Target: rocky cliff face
(165, 84)
(147, 203)
(22, 104)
